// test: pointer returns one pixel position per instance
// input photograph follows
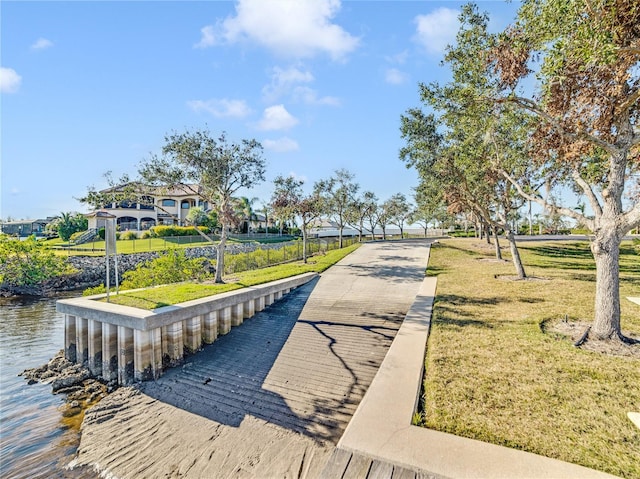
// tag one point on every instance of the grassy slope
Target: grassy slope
(494, 375)
(177, 293)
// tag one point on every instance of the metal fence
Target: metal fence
(277, 253)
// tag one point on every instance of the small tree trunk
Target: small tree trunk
(495, 234)
(606, 252)
(340, 238)
(515, 255)
(304, 243)
(487, 230)
(220, 254)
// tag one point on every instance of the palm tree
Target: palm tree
(243, 208)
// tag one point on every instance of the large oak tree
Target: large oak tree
(212, 168)
(586, 60)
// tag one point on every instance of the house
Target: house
(157, 207)
(24, 228)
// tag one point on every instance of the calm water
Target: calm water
(35, 440)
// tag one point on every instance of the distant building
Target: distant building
(24, 228)
(162, 208)
(166, 207)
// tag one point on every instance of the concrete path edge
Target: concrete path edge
(381, 426)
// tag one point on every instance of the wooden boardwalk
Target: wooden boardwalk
(295, 371)
(347, 465)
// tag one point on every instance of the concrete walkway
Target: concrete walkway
(273, 397)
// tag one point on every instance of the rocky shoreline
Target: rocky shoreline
(82, 390)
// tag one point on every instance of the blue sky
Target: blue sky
(90, 87)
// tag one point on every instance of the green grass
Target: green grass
(160, 296)
(495, 371)
(96, 248)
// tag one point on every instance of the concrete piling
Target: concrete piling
(127, 344)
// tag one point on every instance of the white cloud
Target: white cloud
(298, 29)
(276, 117)
(310, 97)
(282, 82)
(9, 80)
(437, 29)
(395, 76)
(221, 108)
(42, 44)
(208, 38)
(292, 82)
(399, 58)
(281, 145)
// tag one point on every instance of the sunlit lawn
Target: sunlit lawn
(492, 373)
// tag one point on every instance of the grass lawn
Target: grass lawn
(496, 371)
(96, 248)
(159, 296)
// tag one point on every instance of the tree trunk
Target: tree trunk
(515, 255)
(495, 234)
(340, 238)
(606, 252)
(220, 254)
(304, 243)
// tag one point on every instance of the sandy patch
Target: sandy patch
(131, 435)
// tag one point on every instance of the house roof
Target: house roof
(180, 190)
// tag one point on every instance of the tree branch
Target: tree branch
(549, 206)
(631, 99)
(593, 199)
(534, 108)
(632, 217)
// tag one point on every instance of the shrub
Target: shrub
(146, 235)
(128, 235)
(172, 267)
(162, 231)
(95, 290)
(29, 262)
(102, 233)
(76, 235)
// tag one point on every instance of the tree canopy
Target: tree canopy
(213, 168)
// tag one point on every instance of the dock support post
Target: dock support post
(125, 355)
(210, 327)
(109, 351)
(95, 347)
(70, 350)
(269, 299)
(259, 304)
(192, 330)
(82, 340)
(237, 314)
(224, 320)
(147, 354)
(248, 308)
(174, 349)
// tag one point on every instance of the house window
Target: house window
(169, 203)
(185, 205)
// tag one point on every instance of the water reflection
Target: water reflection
(34, 440)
